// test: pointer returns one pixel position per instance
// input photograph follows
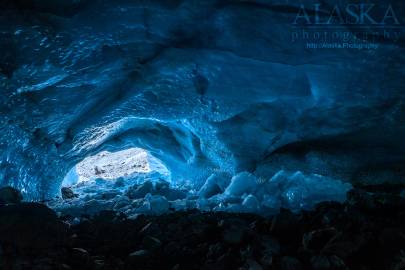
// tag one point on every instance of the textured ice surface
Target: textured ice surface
(245, 193)
(293, 190)
(242, 183)
(206, 87)
(215, 184)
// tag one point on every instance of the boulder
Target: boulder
(138, 258)
(151, 242)
(286, 225)
(290, 263)
(79, 257)
(30, 226)
(320, 262)
(317, 239)
(67, 193)
(234, 234)
(10, 195)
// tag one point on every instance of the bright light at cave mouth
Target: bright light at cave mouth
(113, 165)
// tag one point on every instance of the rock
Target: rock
(269, 247)
(323, 262)
(361, 199)
(320, 262)
(225, 261)
(151, 243)
(30, 225)
(138, 258)
(343, 245)
(108, 216)
(251, 264)
(290, 263)
(67, 193)
(270, 244)
(98, 264)
(10, 195)
(267, 260)
(151, 228)
(98, 171)
(139, 254)
(74, 221)
(79, 257)
(213, 240)
(65, 267)
(42, 264)
(399, 261)
(215, 250)
(317, 239)
(172, 249)
(234, 234)
(392, 239)
(330, 212)
(286, 226)
(336, 262)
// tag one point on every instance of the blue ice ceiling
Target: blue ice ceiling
(207, 87)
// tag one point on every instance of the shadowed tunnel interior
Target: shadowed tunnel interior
(210, 87)
(231, 107)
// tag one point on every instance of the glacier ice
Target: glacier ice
(214, 184)
(293, 190)
(251, 203)
(156, 204)
(242, 183)
(207, 97)
(244, 193)
(296, 190)
(137, 192)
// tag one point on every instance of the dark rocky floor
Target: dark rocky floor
(366, 232)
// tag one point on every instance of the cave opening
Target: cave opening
(180, 134)
(124, 180)
(131, 163)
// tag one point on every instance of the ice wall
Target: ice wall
(205, 86)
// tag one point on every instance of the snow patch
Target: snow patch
(113, 165)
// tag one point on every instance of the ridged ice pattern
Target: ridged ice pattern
(205, 86)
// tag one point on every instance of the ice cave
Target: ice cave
(211, 134)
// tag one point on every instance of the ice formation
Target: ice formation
(239, 114)
(152, 194)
